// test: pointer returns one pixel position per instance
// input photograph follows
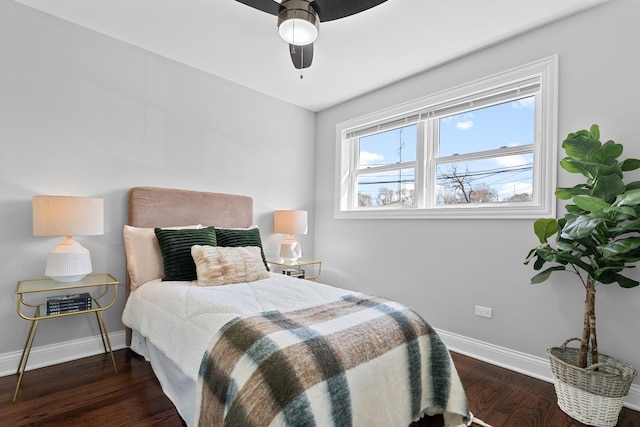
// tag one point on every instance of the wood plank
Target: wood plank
(86, 392)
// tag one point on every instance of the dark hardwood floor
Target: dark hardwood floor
(86, 392)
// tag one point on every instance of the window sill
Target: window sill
(457, 212)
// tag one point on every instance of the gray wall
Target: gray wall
(84, 114)
(443, 268)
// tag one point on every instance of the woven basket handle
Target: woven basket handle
(609, 368)
(564, 344)
(596, 366)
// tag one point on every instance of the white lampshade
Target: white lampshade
(68, 216)
(290, 222)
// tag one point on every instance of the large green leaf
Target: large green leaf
(545, 228)
(530, 256)
(570, 246)
(630, 164)
(565, 193)
(581, 147)
(565, 258)
(630, 198)
(608, 153)
(635, 185)
(581, 226)
(573, 209)
(620, 246)
(578, 133)
(628, 258)
(577, 166)
(624, 281)
(539, 263)
(591, 204)
(544, 275)
(630, 226)
(548, 254)
(620, 212)
(609, 169)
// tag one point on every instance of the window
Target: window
(484, 150)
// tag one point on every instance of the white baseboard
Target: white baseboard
(53, 354)
(533, 366)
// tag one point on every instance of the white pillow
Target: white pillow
(218, 265)
(144, 259)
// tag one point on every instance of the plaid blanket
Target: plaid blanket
(359, 361)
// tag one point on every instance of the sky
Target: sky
(509, 124)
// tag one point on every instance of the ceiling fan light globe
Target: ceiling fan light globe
(298, 31)
(298, 22)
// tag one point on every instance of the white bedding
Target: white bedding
(180, 318)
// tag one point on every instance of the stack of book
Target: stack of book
(293, 272)
(68, 303)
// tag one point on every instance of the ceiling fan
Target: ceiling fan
(299, 21)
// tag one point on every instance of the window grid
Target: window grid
(536, 80)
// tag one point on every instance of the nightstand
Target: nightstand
(28, 290)
(311, 264)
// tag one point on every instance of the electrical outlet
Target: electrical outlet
(484, 312)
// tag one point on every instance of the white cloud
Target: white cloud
(511, 161)
(464, 125)
(367, 158)
(523, 103)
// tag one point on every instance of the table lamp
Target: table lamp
(68, 216)
(290, 222)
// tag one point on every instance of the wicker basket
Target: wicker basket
(593, 397)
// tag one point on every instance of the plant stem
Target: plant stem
(589, 339)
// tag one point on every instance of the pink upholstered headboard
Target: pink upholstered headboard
(166, 207)
(151, 207)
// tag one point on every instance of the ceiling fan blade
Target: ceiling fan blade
(328, 10)
(270, 6)
(302, 56)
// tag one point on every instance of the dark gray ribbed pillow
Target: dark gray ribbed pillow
(175, 246)
(235, 237)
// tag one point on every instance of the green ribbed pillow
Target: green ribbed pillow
(235, 237)
(175, 246)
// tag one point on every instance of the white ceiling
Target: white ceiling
(353, 55)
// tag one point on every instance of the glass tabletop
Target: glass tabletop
(40, 285)
(299, 262)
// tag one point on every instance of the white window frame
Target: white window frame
(542, 72)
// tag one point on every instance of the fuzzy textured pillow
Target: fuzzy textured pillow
(234, 237)
(216, 265)
(144, 259)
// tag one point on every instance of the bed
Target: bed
(260, 348)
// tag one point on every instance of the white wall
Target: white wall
(443, 268)
(84, 114)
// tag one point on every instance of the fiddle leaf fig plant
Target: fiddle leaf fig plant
(598, 239)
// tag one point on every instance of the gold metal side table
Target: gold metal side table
(26, 290)
(299, 264)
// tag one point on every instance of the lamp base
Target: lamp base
(68, 262)
(68, 279)
(290, 250)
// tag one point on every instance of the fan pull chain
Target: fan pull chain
(301, 63)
